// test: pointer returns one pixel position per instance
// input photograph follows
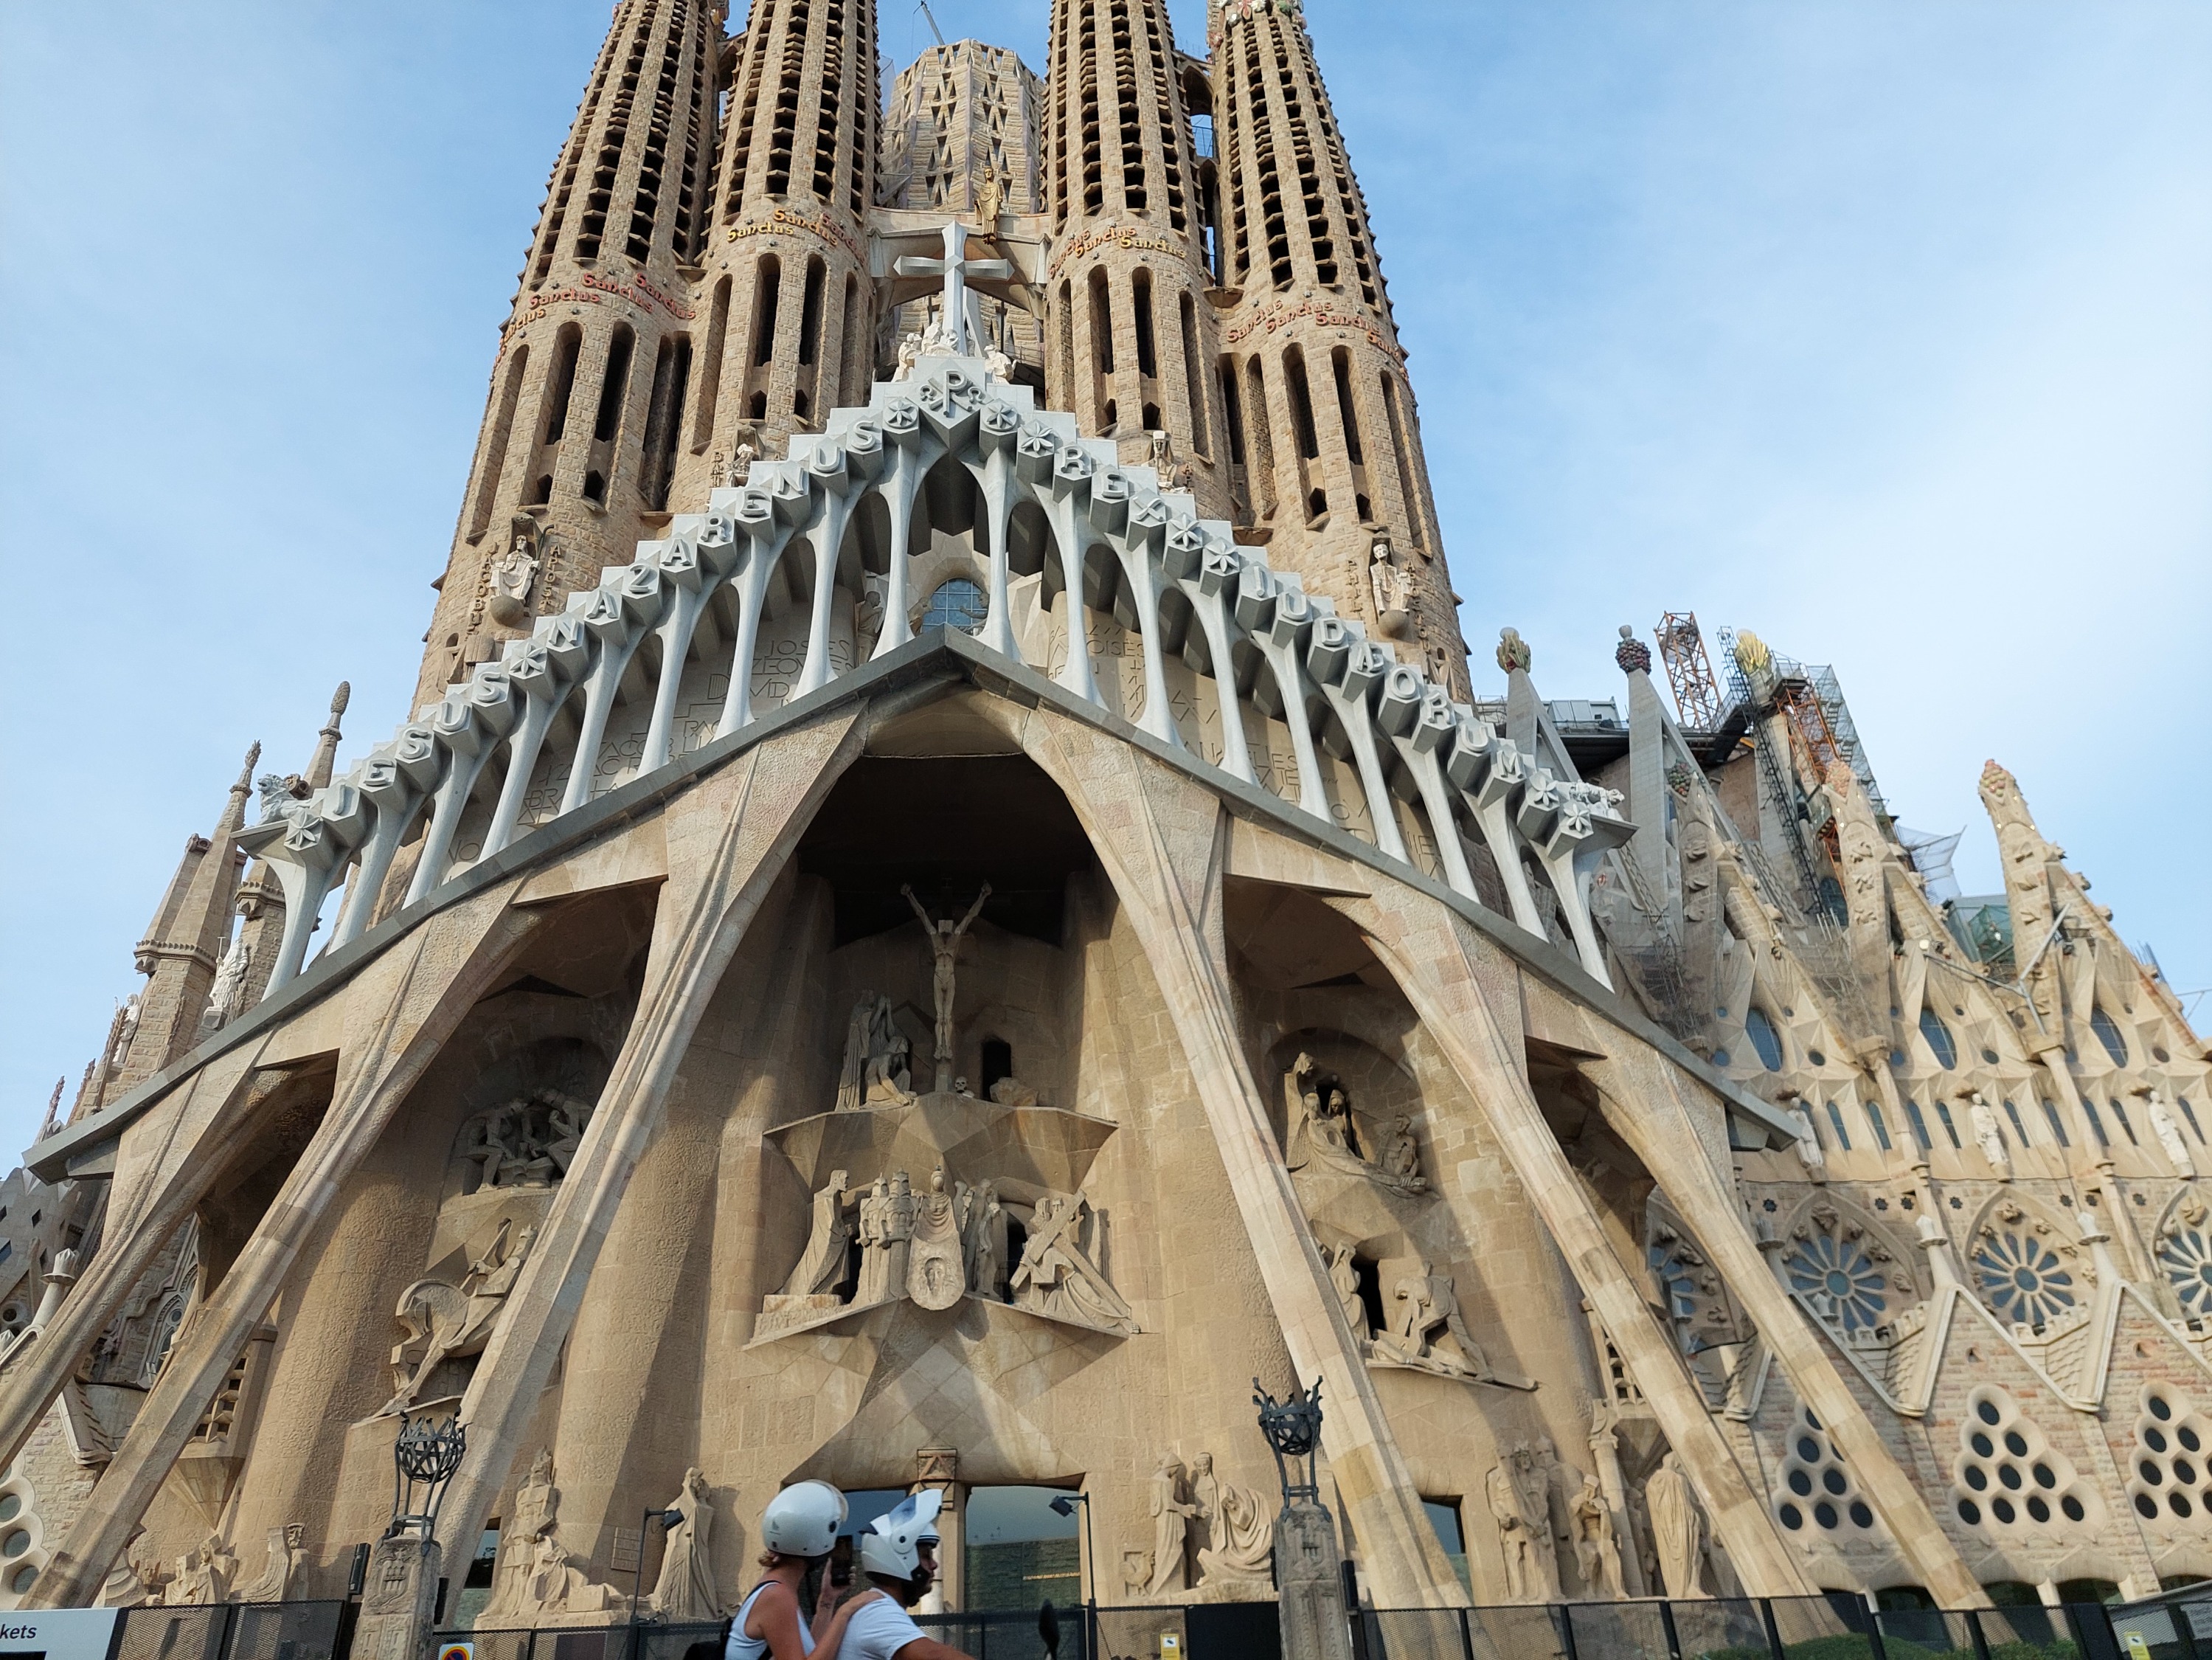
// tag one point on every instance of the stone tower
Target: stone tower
(961, 137)
(1324, 444)
(786, 311)
(578, 447)
(1128, 330)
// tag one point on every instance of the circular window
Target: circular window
(2072, 1507)
(2159, 1409)
(2151, 1474)
(1792, 1517)
(2185, 1472)
(2002, 1510)
(22, 1579)
(2009, 1474)
(2043, 1478)
(1861, 1515)
(1816, 1057)
(1808, 1450)
(2177, 1503)
(1801, 1483)
(1825, 1514)
(2037, 1509)
(15, 1543)
(2145, 1506)
(2187, 1437)
(1834, 1481)
(1720, 1057)
(1989, 1057)
(1987, 1411)
(2154, 1439)
(958, 604)
(11, 1505)
(1970, 1513)
(1982, 1445)
(1977, 1478)
(2016, 1443)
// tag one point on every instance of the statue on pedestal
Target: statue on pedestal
(686, 1589)
(1171, 1516)
(1678, 1528)
(1597, 1553)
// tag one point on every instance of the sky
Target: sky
(1883, 328)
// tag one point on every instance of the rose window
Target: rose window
(1837, 1275)
(2186, 1257)
(2022, 1279)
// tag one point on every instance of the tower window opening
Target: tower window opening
(1294, 372)
(1943, 1114)
(614, 385)
(1066, 345)
(1232, 412)
(2126, 1128)
(1194, 379)
(495, 460)
(767, 282)
(1150, 417)
(710, 366)
(595, 487)
(1317, 505)
(541, 491)
(1415, 504)
(1877, 1123)
(1102, 324)
(561, 382)
(810, 312)
(664, 419)
(1148, 358)
(1258, 433)
(1340, 361)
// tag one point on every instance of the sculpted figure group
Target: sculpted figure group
(1228, 1529)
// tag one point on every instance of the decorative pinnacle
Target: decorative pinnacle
(233, 811)
(326, 741)
(1513, 651)
(1632, 654)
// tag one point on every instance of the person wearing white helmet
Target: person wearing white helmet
(799, 1529)
(898, 1553)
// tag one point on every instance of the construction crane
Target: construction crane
(1682, 649)
(923, 5)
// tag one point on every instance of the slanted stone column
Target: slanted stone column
(392, 1020)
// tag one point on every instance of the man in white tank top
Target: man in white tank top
(891, 1555)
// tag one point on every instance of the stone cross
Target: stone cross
(956, 267)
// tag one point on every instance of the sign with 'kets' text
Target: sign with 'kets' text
(59, 1634)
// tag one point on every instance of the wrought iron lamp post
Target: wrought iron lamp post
(423, 1460)
(1293, 1430)
(1065, 1505)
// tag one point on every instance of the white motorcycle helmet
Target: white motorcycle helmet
(891, 1543)
(803, 1519)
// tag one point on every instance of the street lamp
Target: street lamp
(1293, 1430)
(668, 1519)
(1065, 1505)
(424, 1456)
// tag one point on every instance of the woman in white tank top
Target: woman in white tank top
(768, 1624)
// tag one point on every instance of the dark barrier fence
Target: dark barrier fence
(237, 1631)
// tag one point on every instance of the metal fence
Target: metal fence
(237, 1631)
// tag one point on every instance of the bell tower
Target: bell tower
(1129, 335)
(1324, 444)
(576, 454)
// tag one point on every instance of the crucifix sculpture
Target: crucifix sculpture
(955, 267)
(945, 949)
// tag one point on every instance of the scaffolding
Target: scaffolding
(1689, 671)
(1775, 774)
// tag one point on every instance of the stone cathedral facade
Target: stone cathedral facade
(945, 901)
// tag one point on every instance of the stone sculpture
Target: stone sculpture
(135, 1581)
(1531, 1470)
(1344, 1277)
(227, 992)
(937, 1267)
(1240, 1538)
(1678, 1528)
(514, 576)
(827, 1241)
(1809, 1153)
(1991, 1138)
(1011, 1092)
(944, 937)
(886, 1232)
(1393, 590)
(529, 1142)
(534, 1574)
(1515, 1545)
(1597, 1553)
(909, 355)
(990, 199)
(203, 1576)
(1056, 1275)
(440, 1322)
(1171, 1515)
(1426, 1331)
(282, 1573)
(1326, 1134)
(986, 1243)
(2164, 1126)
(686, 1590)
(876, 1054)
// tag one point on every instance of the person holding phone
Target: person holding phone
(799, 1530)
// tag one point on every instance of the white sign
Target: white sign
(59, 1633)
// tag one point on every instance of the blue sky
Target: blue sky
(1880, 328)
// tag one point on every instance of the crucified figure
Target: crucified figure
(944, 947)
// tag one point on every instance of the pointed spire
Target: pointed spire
(52, 1121)
(233, 812)
(326, 741)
